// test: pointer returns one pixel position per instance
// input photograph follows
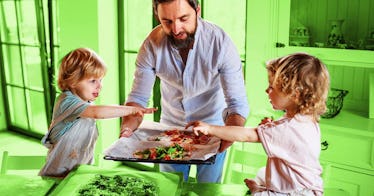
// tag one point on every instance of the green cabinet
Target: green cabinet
(348, 138)
(350, 63)
(351, 181)
(348, 152)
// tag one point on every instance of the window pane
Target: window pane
(12, 65)
(17, 107)
(28, 25)
(33, 68)
(38, 119)
(8, 22)
(138, 22)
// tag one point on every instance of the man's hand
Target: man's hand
(231, 120)
(130, 123)
(224, 145)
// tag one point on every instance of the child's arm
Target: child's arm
(130, 123)
(229, 133)
(113, 111)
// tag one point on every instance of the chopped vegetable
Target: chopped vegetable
(119, 185)
(173, 152)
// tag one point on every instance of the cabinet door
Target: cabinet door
(356, 183)
(305, 26)
(348, 149)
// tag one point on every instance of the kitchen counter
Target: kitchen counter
(25, 185)
(168, 183)
(210, 189)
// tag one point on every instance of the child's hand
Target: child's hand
(266, 120)
(132, 110)
(199, 126)
(149, 110)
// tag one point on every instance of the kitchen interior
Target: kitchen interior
(36, 34)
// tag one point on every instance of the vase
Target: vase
(336, 36)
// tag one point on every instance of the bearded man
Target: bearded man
(200, 74)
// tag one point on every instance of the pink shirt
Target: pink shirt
(293, 148)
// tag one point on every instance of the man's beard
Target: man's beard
(185, 43)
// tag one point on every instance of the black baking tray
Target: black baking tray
(208, 161)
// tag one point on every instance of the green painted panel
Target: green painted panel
(28, 26)
(38, 117)
(138, 22)
(130, 59)
(8, 18)
(220, 12)
(32, 68)
(354, 183)
(371, 96)
(359, 149)
(17, 107)
(12, 65)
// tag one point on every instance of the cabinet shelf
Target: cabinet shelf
(335, 56)
(351, 123)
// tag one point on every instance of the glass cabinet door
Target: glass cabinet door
(329, 24)
(25, 65)
(337, 32)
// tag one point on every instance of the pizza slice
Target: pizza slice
(180, 137)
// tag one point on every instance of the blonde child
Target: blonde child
(72, 134)
(298, 84)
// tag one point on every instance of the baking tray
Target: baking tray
(208, 161)
(123, 148)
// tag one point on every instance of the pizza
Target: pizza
(181, 137)
(172, 152)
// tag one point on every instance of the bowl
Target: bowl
(334, 102)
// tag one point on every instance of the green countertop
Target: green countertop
(169, 183)
(211, 189)
(24, 185)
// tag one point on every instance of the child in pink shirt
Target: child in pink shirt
(298, 84)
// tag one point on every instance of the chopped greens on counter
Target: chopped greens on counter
(119, 185)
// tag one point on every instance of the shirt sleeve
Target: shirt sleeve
(282, 139)
(144, 77)
(72, 106)
(67, 111)
(232, 80)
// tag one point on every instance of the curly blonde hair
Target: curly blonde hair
(304, 78)
(79, 64)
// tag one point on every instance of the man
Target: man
(200, 74)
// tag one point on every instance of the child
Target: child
(298, 84)
(72, 134)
